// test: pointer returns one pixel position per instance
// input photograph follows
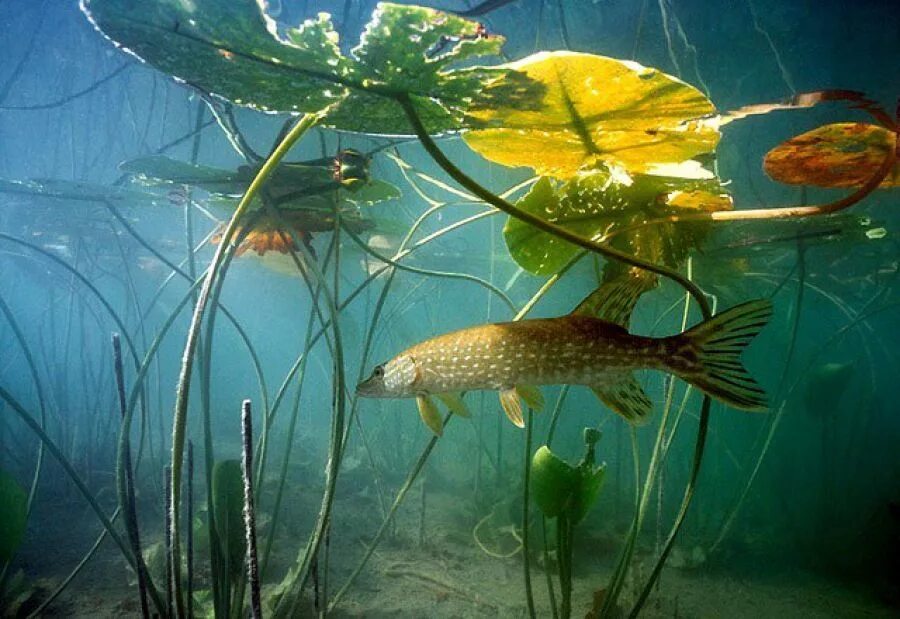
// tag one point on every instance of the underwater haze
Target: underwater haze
(470, 308)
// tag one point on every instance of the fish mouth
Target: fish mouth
(370, 388)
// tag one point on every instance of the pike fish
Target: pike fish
(514, 358)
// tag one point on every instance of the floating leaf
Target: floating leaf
(233, 50)
(78, 191)
(836, 155)
(13, 515)
(230, 49)
(159, 169)
(412, 50)
(293, 186)
(306, 177)
(596, 203)
(559, 112)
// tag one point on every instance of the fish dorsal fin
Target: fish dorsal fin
(625, 397)
(454, 404)
(429, 413)
(509, 400)
(615, 299)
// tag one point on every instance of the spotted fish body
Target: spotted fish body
(515, 357)
(575, 350)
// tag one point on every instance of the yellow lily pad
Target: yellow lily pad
(560, 112)
(836, 155)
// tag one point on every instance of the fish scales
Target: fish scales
(514, 358)
(572, 349)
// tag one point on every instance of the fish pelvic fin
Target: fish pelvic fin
(454, 404)
(429, 413)
(717, 345)
(509, 401)
(532, 396)
(626, 397)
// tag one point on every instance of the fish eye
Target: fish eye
(378, 372)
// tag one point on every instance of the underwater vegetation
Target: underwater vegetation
(608, 183)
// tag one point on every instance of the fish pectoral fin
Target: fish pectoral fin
(454, 403)
(625, 397)
(509, 400)
(429, 413)
(532, 396)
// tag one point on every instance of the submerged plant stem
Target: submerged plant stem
(788, 212)
(183, 389)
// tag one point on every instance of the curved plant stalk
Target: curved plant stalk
(427, 451)
(192, 280)
(182, 391)
(79, 484)
(401, 494)
(87, 283)
(788, 212)
(430, 272)
(643, 495)
(125, 485)
(42, 400)
(305, 560)
(538, 222)
(526, 557)
(42, 405)
(39, 611)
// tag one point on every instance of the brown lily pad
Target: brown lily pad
(836, 155)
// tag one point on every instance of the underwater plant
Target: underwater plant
(566, 493)
(624, 174)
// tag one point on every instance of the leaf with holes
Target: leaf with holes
(413, 50)
(597, 203)
(561, 112)
(230, 49)
(836, 155)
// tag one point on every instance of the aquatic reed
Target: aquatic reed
(125, 483)
(249, 512)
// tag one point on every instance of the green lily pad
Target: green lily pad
(233, 50)
(13, 515)
(78, 190)
(294, 186)
(559, 488)
(561, 112)
(159, 169)
(596, 203)
(230, 49)
(412, 50)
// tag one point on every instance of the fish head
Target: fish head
(394, 379)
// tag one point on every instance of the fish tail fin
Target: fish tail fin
(715, 366)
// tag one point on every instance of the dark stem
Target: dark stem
(526, 558)
(189, 533)
(249, 513)
(126, 498)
